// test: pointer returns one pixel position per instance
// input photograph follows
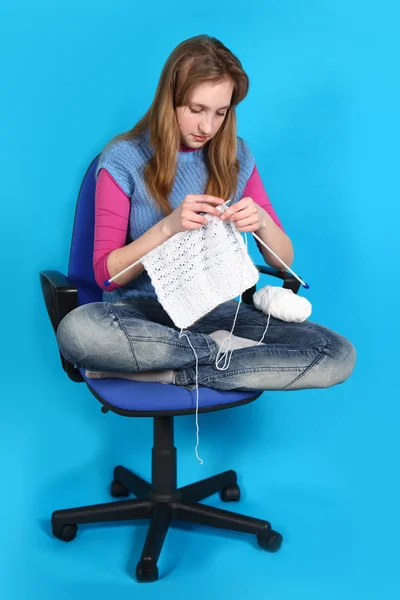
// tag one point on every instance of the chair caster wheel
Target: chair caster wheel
(270, 541)
(118, 490)
(146, 574)
(66, 533)
(230, 493)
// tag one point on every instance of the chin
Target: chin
(197, 144)
(191, 143)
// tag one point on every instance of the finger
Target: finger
(249, 222)
(206, 198)
(205, 208)
(233, 209)
(193, 217)
(193, 223)
(247, 201)
(240, 205)
(250, 228)
(246, 213)
(227, 214)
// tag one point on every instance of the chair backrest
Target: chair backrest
(80, 269)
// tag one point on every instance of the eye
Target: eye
(221, 114)
(196, 112)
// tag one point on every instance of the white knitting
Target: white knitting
(196, 270)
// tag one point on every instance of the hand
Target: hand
(247, 215)
(187, 216)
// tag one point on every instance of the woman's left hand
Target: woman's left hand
(247, 215)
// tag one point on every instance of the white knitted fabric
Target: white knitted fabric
(196, 270)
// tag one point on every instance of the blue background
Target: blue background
(322, 465)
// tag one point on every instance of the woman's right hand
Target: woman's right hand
(187, 216)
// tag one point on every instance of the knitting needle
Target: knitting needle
(303, 283)
(108, 281)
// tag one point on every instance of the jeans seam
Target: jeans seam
(185, 380)
(302, 371)
(115, 317)
(323, 352)
(301, 375)
(138, 338)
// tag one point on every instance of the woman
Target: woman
(179, 162)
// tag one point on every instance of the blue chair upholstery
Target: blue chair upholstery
(160, 500)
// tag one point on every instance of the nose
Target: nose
(206, 125)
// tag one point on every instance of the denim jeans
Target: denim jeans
(138, 335)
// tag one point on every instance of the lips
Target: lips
(200, 138)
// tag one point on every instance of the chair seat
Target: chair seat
(147, 399)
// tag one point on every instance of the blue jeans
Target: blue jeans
(138, 335)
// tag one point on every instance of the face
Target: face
(205, 113)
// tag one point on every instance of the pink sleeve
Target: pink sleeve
(112, 207)
(255, 190)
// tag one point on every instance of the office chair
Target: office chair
(160, 501)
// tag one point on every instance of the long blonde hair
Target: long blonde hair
(195, 60)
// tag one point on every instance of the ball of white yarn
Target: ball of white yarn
(282, 303)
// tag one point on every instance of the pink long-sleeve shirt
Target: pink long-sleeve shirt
(112, 208)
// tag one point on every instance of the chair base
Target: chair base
(163, 503)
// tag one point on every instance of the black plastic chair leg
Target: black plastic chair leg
(207, 487)
(135, 484)
(222, 519)
(146, 569)
(125, 510)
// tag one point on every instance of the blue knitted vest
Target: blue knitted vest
(125, 161)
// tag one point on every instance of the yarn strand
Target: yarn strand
(197, 397)
(225, 356)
